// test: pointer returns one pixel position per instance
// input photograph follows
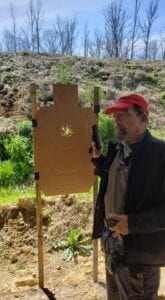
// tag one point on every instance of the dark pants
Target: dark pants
(133, 283)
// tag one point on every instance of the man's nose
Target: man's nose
(118, 121)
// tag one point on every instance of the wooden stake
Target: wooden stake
(40, 236)
(38, 202)
(33, 99)
(95, 242)
(95, 192)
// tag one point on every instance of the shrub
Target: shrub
(162, 98)
(62, 73)
(7, 176)
(24, 128)
(19, 150)
(88, 92)
(107, 131)
(3, 153)
(147, 78)
(9, 77)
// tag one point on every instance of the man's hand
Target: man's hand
(95, 152)
(121, 228)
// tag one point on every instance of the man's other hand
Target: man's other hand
(121, 228)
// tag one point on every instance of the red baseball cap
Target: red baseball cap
(126, 102)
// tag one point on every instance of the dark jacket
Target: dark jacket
(144, 201)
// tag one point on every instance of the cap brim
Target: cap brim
(116, 107)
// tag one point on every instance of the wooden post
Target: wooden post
(38, 202)
(95, 242)
(95, 192)
(40, 236)
(33, 99)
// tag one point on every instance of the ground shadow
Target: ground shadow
(102, 284)
(49, 294)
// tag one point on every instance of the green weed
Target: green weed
(74, 244)
(147, 78)
(62, 74)
(162, 98)
(88, 92)
(107, 131)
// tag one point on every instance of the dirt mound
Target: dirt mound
(18, 252)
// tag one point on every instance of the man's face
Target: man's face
(129, 125)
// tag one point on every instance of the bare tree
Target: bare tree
(30, 25)
(108, 46)
(24, 40)
(51, 40)
(8, 40)
(135, 26)
(38, 23)
(162, 44)
(115, 25)
(97, 45)
(30, 35)
(86, 40)
(146, 27)
(66, 30)
(153, 49)
(13, 17)
(10, 35)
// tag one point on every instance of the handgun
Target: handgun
(110, 222)
(96, 138)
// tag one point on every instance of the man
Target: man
(132, 192)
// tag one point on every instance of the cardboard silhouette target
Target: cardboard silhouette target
(61, 141)
(62, 135)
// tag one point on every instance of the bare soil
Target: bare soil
(18, 253)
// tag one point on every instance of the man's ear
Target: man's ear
(144, 117)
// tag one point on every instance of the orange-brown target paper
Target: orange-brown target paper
(61, 141)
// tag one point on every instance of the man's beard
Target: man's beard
(121, 135)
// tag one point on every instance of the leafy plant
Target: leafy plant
(107, 131)
(88, 92)
(19, 150)
(3, 152)
(16, 155)
(75, 243)
(62, 73)
(7, 176)
(162, 98)
(147, 78)
(24, 128)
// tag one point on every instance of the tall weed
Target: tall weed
(107, 131)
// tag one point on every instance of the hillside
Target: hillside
(116, 77)
(18, 233)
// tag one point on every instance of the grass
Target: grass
(9, 195)
(20, 265)
(12, 194)
(160, 134)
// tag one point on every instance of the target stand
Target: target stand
(61, 136)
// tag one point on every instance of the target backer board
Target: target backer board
(62, 137)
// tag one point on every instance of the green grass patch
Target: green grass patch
(160, 134)
(162, 98)
(148, 78)
(12, 194)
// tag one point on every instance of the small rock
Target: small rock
(26, 249)
(26, 203)
(26, 282)
(13, 258)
